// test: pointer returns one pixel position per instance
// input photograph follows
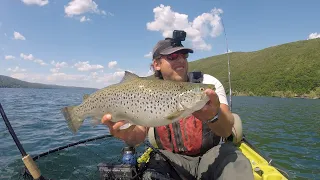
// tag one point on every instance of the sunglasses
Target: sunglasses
(175, 56)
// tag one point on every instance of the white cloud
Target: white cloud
(18, 36)
(78, 7)
(204, 25)
(144, 73)
(112, 64)
(61, 65)
(16, 69)
(9, 57)
(35, 2)
(21, 76)
(110, 78)
(27, 57)
(55, 78)
(65, 77)
(94, 79)
(29, 77)
(150, 72)
(54, 70)
(109, 13)
(58, 66)
(84, 18)
(39, 61)
(149, 55)
(314, 35)
(30, 57)
(85, 66)
(94, 75)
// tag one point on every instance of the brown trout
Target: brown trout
(139, 101)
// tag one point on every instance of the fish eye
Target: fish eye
(201, 88)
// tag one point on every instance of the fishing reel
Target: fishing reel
(177, 37)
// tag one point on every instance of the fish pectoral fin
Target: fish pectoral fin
(95, 121)
(174, 115)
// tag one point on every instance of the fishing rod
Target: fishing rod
(230, 99)
(229, 71)
(26, 158)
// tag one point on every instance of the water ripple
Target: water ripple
(286, 130)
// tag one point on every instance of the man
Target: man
(192, 145)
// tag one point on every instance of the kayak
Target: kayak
(262, 169)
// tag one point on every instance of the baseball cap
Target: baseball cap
(165, 47)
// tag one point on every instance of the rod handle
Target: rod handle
(31, 166)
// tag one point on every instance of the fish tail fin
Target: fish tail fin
(74, 121)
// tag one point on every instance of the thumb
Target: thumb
(106, 119)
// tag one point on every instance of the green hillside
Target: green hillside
(287, 70)
(9, 82)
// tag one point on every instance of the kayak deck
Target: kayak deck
(262, 169)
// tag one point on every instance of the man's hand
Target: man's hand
(114, 127)
(210, 109)
(222, 127)
(132, 135)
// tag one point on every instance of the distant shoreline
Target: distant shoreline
(250, 94)
(9, 82)
(298, 97)
(63, 87)
(281, 94)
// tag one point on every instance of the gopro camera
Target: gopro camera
(177, 37)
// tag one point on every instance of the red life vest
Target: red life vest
(189, 136)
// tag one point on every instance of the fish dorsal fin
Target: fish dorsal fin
(129, 76)
(85, 97)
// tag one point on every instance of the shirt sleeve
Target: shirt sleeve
(208, 79)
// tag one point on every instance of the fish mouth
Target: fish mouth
(203, 100)
(199, 105)
(205, 97)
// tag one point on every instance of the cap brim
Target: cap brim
(175, 49)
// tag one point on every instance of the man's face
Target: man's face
(173, 66)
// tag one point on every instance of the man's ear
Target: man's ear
(156, 64)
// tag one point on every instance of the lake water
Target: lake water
(286, 130)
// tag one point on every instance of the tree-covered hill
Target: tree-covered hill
(287, 70)
(9, 82)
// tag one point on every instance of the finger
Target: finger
(211, 94)
(115, 128)
(118, 124)
(106, 118)
(214, 99)
(122, 134)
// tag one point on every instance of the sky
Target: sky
(91, 43)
